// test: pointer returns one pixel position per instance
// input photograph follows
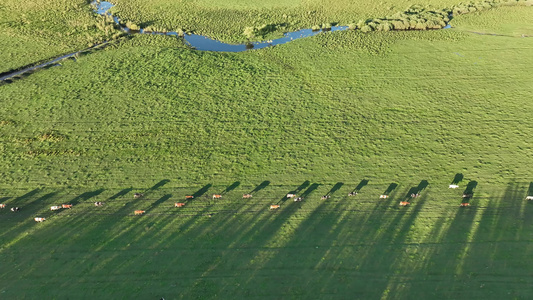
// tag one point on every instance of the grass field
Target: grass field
(227, 20)
(315, 116)
(37, 30)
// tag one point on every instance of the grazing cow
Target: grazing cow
(527, 198)
(467, 195)
(299, 199)
(2, 206)
(465, 204)
(404, 203)
(39, 219)
(139, 212)
(137, 195)
(453, 186)
(383, 196)
(325, 197)
(352, 193)
(179, 204)
(189, 197)
(15, 209)
(98, 203)
(246, 196)
(55, 207)
(413, 195)
(69, 206)
(215, 196)
(291, 195)
(274, 206)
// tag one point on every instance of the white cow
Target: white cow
(383, 196)
(529, 198)
(39, 219)
(453, 186)
(55, 207)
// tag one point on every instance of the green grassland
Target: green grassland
(514, 21)
(149, 115)
(227, 20)
(37, 30)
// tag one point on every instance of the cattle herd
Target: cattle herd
(465, 203)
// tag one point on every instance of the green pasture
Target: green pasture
(344, 247)
(227, 20)
(32, 31)
(317, 116)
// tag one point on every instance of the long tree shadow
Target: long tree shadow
(530, 189)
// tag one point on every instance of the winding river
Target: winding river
(198, 42)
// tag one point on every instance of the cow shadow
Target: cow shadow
(26, 196)
(390, 188)
(261, 186)
(335, 188)
(158, 202)
(231, 187)
(457, 179)
(158, 185)
(296, 191)
(120, 194)
(361, 185)
(85, 196)
(202, 191)
(468, 193)
(530, 189)
(309, 190)
(415, 191)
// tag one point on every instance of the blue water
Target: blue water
(203, 43)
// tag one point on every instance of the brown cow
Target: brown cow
(139, 212)
(2, 206)
(215, 196)
(66, 206)
(189, 197)
(274, 206)
(179, 204)
(246, 196)
(465, 204)
(404, 203)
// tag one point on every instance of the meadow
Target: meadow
(39, 30)
(385, 111)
